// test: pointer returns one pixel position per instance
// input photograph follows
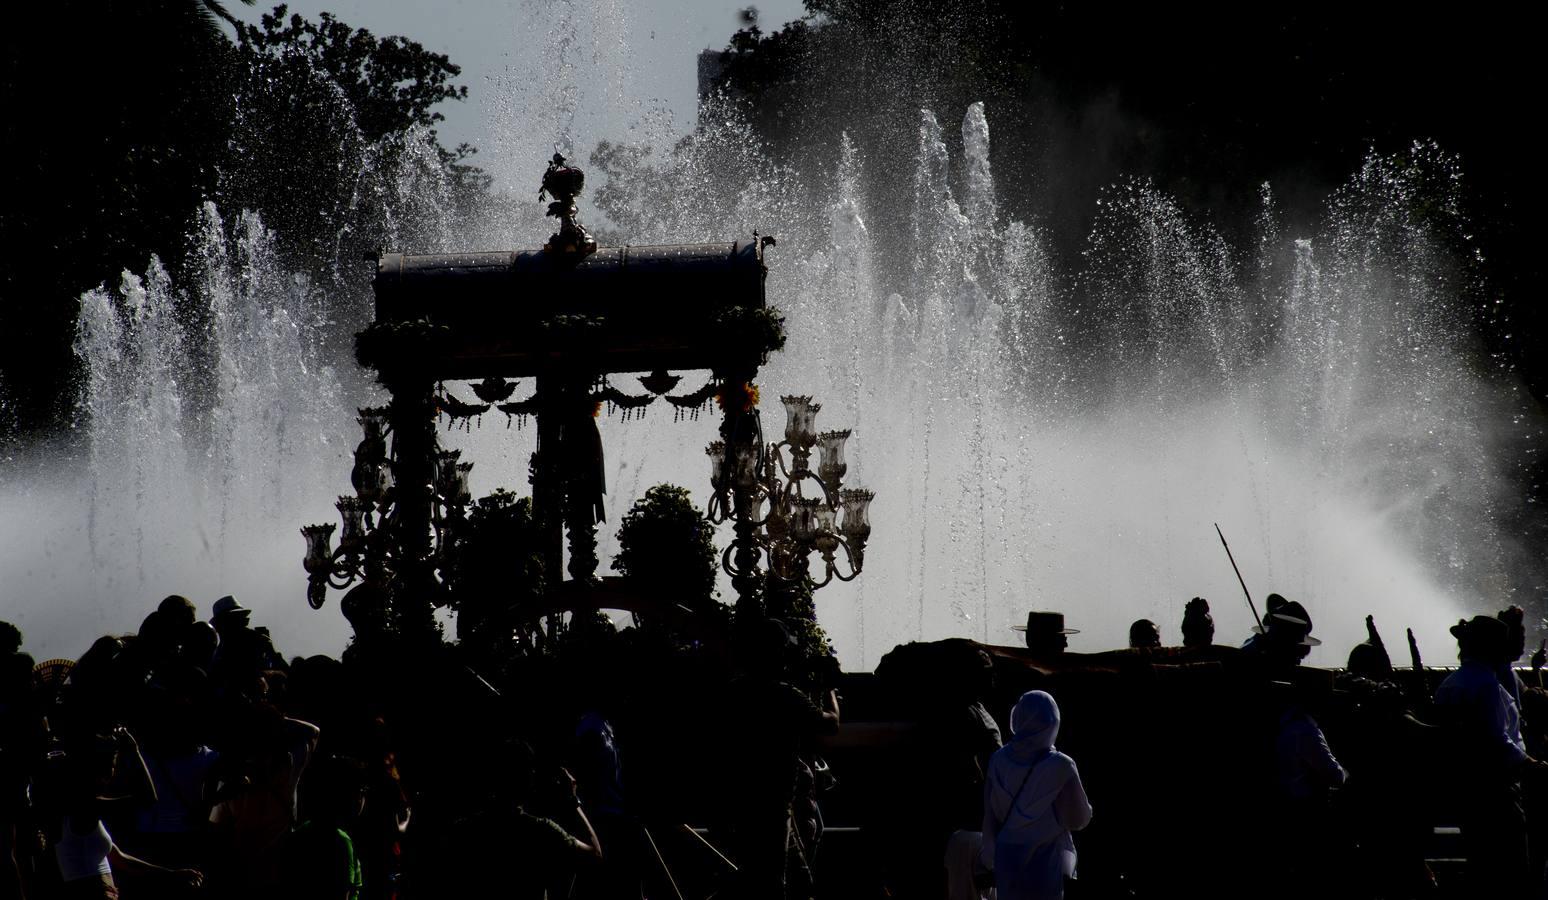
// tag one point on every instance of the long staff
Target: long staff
(1239, 577)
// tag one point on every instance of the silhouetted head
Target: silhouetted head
(1369, 661)
(1287, 627)
(1045, 632)
(1198, 626)
(229, 615)
(1144, 635)
(177, 610)
(1482, 639)
(10, 638)
(199, 643)
(1515, 631)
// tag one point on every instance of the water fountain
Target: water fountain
(1038, 439)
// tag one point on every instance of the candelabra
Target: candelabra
(755, 485)
(369, 549)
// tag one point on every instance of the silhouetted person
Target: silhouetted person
(198, 645)
(1144, 635)
(1514, 618)
(1045, 632)
(1306, 774)
(1033, 799)
(96, 771)
(772, 720)
(178, 611)
(20, 744)
(505, 850)
(1283, 640)
(243, 653)
(1488, 759)
(1198, 626)
(318, 859)
(1369, 658)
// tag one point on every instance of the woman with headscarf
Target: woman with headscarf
(1033, 799)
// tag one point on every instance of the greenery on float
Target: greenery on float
(752, 330)
(495, 579)
(666, 548)
(395, 345)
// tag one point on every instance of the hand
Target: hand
(1370, 631)
(125, 739)
(566, 783)
(192, 878)
(1541, 656)
(1413, 650)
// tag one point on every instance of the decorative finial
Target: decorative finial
(564, 183)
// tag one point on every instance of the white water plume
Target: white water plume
(1038, 439)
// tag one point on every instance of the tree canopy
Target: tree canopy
(112, 154)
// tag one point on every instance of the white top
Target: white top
(83, 854)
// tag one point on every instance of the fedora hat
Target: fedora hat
(1289, 614)
(1045, 623)
(228, 606)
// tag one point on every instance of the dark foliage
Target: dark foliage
(115, 113)
(496, 578)
(667, 549)
(122, 118)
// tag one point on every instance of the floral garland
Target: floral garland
(692, 404)
(740, 397)
(454, 409)
(519, 410)
(631, 404)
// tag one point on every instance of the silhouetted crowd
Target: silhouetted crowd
(192, 759)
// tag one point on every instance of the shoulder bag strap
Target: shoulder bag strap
(1017, 796)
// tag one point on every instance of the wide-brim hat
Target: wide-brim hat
(1292, 614)
(228, 606)
(1481, 628)
(1045, 623)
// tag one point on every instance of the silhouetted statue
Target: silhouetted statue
(1369, 658)
(1144, 635)
(1198, 626)
(1045, 632)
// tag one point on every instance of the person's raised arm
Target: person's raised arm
(131, 777)
(590, 846)
(830, 713)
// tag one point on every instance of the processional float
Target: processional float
(568, 317)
